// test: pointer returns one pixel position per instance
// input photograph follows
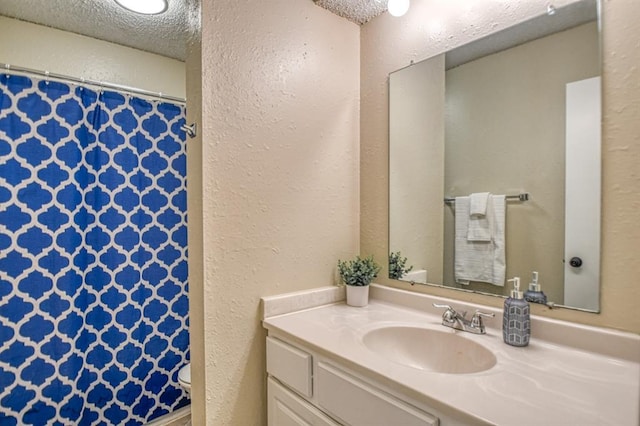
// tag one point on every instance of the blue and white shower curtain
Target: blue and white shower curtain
(93, 255)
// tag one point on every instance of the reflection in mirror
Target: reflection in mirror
(517, 112)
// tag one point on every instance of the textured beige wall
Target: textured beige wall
(280, 201)
(484, 121)
(47, 49)
(432, 27)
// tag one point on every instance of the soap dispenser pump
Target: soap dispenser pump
(535, 293)
(516, 320)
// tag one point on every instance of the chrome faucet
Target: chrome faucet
(459, 321)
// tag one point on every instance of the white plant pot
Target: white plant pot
(357, 295)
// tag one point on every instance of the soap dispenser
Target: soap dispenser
(516, 321)
(535, 293)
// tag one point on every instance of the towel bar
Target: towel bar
(520, 197)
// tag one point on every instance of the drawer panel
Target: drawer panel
(290, 365)
(287, 409)
(358, 404)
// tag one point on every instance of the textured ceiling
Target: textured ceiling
(164, 34)
(358, 11)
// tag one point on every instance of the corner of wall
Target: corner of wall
(194, 214)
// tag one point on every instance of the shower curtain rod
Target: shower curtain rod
(83, 81)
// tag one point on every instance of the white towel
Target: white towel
(478, 203)
(482, 261)
(479, 228)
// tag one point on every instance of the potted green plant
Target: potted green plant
(357, 275)
(397, 264)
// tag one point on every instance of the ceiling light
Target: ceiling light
(146, 7)
(398, 7)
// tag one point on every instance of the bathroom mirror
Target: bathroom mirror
(516, 112)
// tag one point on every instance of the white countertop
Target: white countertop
(541, 384)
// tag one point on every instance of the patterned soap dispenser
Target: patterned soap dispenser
(516, 321)
(535, 293)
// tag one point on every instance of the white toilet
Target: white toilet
(184, 378)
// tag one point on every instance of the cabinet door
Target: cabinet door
(287, 409)
(292, 366)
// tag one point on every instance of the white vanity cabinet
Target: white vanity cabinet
(305, 388)
(322, 371)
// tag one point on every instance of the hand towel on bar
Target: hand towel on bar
(480, 217)
(480, 224)
(478, 203)
(482, 261)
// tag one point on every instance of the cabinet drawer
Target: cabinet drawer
(358, 404)
(287, 409)
(290, 365)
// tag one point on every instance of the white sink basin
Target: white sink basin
(427, 349)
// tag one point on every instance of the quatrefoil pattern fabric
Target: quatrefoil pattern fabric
(93, 255)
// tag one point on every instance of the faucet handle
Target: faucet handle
(437, 305)
(447, 315)
(463, 314)
(476, 320)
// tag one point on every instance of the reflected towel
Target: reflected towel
(480, 217)
(482, 261)
(478, 203)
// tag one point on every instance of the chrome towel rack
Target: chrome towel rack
(524, 196)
